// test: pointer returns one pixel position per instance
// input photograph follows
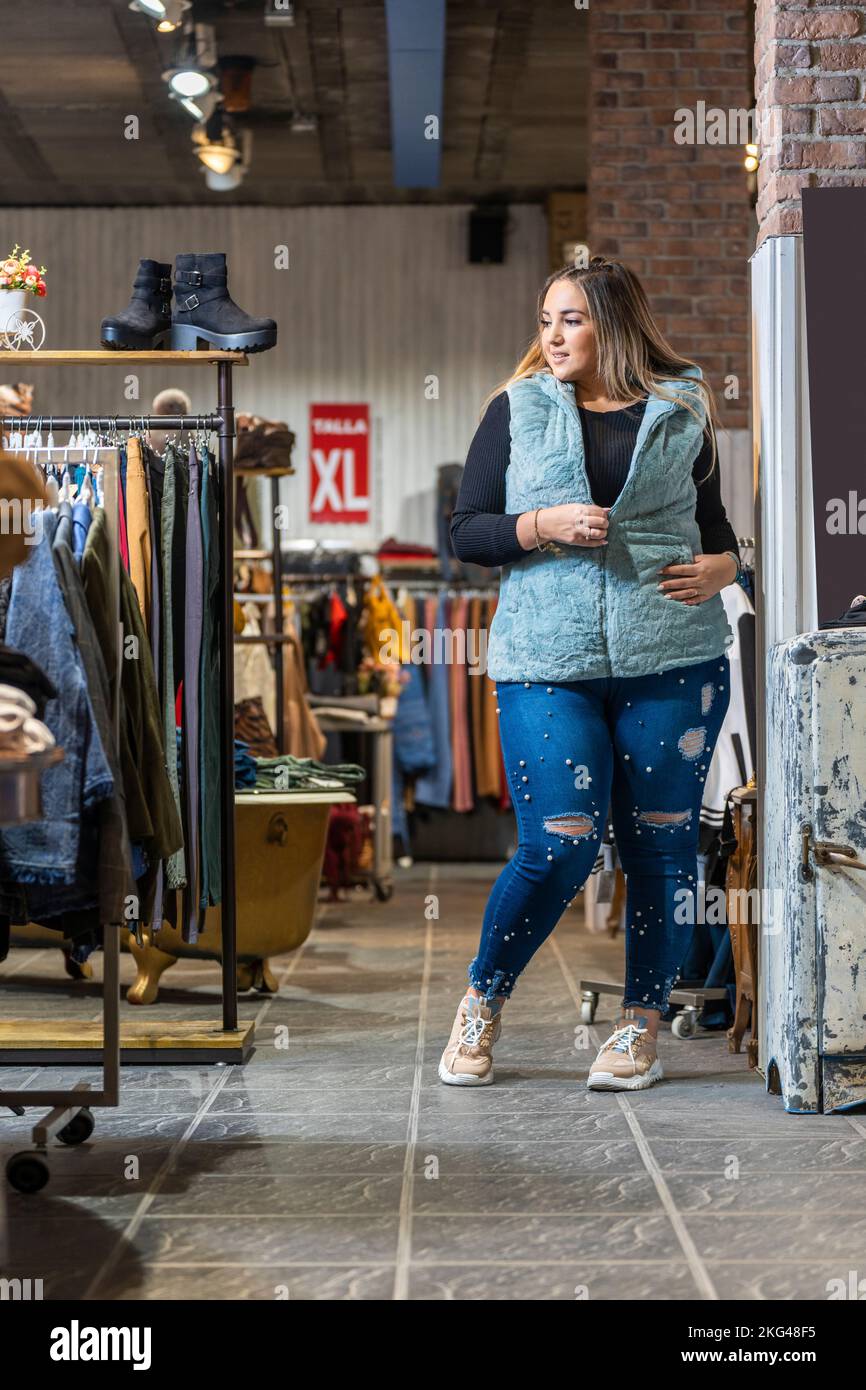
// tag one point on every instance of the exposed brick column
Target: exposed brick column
(809, 60)
(679, 214)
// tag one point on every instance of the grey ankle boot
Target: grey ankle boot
(146, 322)
(204, 311)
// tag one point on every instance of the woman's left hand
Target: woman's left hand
(695, 583)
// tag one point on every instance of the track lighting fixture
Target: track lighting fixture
(191, 74)
(168, 14)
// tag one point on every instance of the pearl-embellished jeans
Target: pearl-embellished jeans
(640, 745)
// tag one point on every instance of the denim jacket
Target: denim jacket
(597, 611)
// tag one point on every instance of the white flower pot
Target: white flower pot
(21, 324)
(10, 302)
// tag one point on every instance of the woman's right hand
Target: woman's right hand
(575, 523)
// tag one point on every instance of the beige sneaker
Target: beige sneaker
(468, 1056)
(626, 1062)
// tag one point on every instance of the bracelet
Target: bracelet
(538, 541)
(735, 556)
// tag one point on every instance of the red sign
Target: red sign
(339, 463)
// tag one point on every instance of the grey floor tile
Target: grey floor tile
(300, 1161)
(301, 1282)
(804, 1281)
(265, 1240)
(836, 1236)
(333, 1194)
(593, 1236)
(774, 1193)
(764, 1155)
(569, 1281)
(542, 1193)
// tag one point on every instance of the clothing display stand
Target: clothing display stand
(276, 638)
(171, 1042)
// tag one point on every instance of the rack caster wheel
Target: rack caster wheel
(27, 1172)
(588, 1006)
(383, 891)
(685, 1024)
(79, 1128)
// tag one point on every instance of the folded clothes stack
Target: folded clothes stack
(245, 767)
(21, 734)
(289, 774)
(17, 669)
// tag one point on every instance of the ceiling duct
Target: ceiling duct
(416, 65)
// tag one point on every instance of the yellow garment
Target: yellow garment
(138, 528)
(381, 617)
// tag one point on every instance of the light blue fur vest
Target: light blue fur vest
(597, 611)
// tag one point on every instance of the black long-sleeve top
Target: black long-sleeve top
(483, 533)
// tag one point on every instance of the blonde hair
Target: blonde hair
(634, 357)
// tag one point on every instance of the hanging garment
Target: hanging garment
(476, 702)
(151, 813)
(121, 510)
(414, 747)
(254, 675)
(301, 731)
(38, 624)
(459, 702)
(381, 615)
(191, 722)
(733, 760)
(209, 695)
(81, 519)
(491, 752)
(175, 868)
(138, 527)
(434, 788)
(114, 875)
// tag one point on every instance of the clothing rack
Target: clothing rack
(183, 1041)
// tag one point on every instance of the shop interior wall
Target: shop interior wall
(374, 302)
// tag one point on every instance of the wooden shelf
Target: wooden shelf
(263, 472)
(101, 358)
(143, 1042)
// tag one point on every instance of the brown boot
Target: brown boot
(468, 1056)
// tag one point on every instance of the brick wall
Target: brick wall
(678, 214)
(809, 60)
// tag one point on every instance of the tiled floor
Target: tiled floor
(339, 1167)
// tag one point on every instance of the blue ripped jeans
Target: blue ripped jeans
(640, 745)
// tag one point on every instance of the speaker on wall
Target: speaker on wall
(487, 235)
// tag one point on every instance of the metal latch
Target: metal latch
(825, 853)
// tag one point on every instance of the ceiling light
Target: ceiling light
(190, 75)
(224, 183)
(200, 108)
(219, 158)
(215, 144)
(167, 13)
(189, 82)
(154, 9)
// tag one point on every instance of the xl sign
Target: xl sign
(339, 463)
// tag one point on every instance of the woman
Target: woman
(592, 481)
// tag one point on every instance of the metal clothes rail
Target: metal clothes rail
(222, 423)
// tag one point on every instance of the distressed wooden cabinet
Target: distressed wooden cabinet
(813, 914)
